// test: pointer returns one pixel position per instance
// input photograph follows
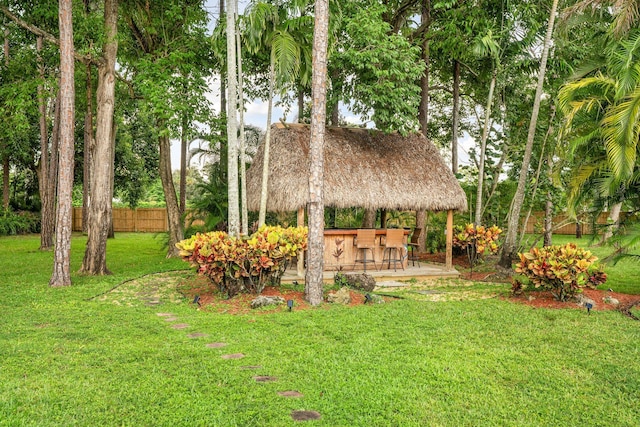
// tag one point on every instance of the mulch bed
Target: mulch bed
(544, 299)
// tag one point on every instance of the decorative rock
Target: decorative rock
(264, 301)
(610, 300)
(290, 393)
(197, 335)
(265, 378)
(531, 298)
(361, 281)
(340, 297)
(305, 415)
(216, 344)
(582, 301)
(376, 299)
(180, 326)
(233, 356)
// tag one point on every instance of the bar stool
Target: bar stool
(366, 240)
(394, 242)
(413, 246)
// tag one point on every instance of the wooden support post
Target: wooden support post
(300, 254)
(449, 256)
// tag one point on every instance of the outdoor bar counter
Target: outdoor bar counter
(340, 250)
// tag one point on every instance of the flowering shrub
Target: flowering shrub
(564, 270)
(244, 264)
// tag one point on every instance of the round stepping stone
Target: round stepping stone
(250, 367)
(265, 378)
(290, 393)
(216, 344)
(180, 326)
(305, 415)
(233, 356)
(197, 335)
(170, 319)
(165, 314)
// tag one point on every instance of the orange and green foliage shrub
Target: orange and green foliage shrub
(245, 264)
(484, 238)
(563, 270)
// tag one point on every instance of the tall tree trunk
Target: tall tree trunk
(183, 164)
(315, 264)
(223, 87)
(510, 246)
(483, 148)
(46, 238)
(244, 212)
(456, 116)
(335, 109)
(111, 234)
(95, 255)
(267, 145)
(5, 152)
(423, 112)
(61, 275)
(613, 221)
(232, 125)
(88, 152)
(48, 213)
(369, 218)
(173, 211)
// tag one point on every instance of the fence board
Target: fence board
(536, 223)
(145, 220)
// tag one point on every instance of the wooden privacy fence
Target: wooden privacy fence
(146, 220)
(536, 223)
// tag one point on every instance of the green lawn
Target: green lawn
(66, 359)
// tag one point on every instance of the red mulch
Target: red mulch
(212, 300)
(544, 299)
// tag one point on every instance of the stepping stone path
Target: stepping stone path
(180, 326)
(305, 415)
(216, 344)
(233, 356)
(290, 393)
(301, 415)
(265, 379)
(197, 335)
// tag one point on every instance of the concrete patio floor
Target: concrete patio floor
(421, 272)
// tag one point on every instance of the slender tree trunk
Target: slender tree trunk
(46, 239)
(173, 211)
(111, 234)
(5, 157)
(423, 112)
(244, 212)
(483, 148)
(267, 145)
(315, 264)
(510, 246)
(95, 256)
(548, 220)
(183, 165)
(456, 116)
(88, 152)
(61, 275)
(223, 87)
(421, 223)
(232, 125)
(301, 106)
(335, 109)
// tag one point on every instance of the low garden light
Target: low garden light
(290, 304)
(589, 307)
(367, 298)
(196, 300)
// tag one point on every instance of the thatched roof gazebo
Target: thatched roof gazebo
(362, 168)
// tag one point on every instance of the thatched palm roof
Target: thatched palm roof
(362, 168)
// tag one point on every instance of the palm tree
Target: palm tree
(602, 122)
(282, 30)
